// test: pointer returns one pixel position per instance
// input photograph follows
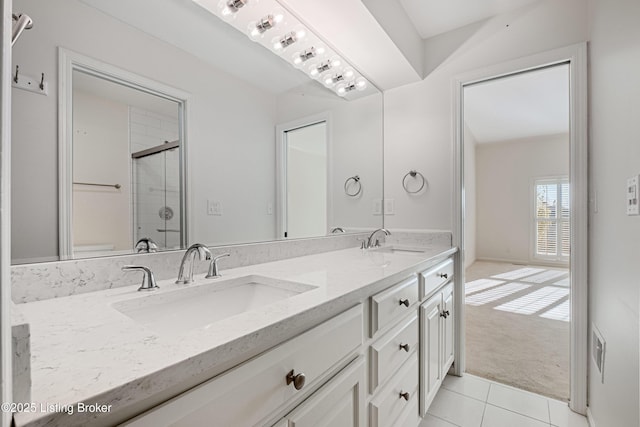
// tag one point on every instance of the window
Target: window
(552, 220)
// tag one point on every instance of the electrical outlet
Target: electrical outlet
(598, 347)
(377, 206)
(633, 194)
(389, 207)
(214, 207)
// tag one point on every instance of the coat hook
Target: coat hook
(42, 82)
(15, 78)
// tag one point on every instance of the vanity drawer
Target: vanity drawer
(392, 349)
(391, 402)
(435, 277)
(393, 303)
(260, 383)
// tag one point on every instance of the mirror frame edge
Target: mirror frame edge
(70, 61)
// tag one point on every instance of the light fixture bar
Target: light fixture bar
(312, 56)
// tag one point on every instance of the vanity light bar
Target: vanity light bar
(260, 17)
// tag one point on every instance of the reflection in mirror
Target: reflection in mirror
(239, 98)
(126, 168)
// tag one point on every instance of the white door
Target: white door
(305, 178)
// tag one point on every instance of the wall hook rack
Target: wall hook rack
(30, 84)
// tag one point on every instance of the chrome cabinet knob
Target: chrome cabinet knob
(404, 347)
(404, 302)
(405, 395)
(297, 379)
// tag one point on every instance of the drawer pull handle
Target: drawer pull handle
(443, 275)
(297, 379)
(445, 314)
(404, 302)
(405, 395)
(404, 347)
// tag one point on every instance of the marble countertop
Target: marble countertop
(84, 350)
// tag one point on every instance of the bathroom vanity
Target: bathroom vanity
(352, 337)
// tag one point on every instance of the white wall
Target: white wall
(101, 215)
(614, 267)
(470, 198)
(505, 174)
(418, 117)
(355, 149)
(231, 150)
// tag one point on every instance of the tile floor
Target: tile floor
(471, 401)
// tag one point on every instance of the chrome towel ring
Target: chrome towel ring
(356, 183)
(413, 174)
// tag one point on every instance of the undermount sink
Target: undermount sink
(399, 249)
(200, 306)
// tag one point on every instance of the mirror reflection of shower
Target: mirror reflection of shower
(126, 168)
(156, 193)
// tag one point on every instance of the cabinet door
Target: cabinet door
(338, 403)
(430, 351)
(447, 329)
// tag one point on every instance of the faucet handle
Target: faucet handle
(148, 281)
(213, 267)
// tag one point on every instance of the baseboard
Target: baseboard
(590, 419)
(540, 263)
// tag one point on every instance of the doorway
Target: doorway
(304, 186)
(575, 57)
(517, 230)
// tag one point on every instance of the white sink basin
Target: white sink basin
(400, 249)
(201, 306)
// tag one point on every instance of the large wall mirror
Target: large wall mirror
(160, 120)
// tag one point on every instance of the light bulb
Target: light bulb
(320, 50)
(336, 62)
(257, 29)
(341, 89)
(317, 69)
(300, 58)
(348, 73)
(361, 83)
(328, 80)
(229, 8)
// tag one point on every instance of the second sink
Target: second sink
(200, 306)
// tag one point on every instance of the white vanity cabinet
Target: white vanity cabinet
(253, 392)
(436, 331)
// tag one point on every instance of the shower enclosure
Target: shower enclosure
(156, 195)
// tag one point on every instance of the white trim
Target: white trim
(281, 161)
(538, 263)
(68, 61)
(590, 420)
(576, 56)
(6, 353)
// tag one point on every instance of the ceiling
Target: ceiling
(433, 17)
(526, 105)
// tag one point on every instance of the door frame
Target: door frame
(576, 57)
(281, 162)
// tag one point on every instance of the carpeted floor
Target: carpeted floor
(517, 326)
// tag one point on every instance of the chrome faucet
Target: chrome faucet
(335, 230)
(146, 245)
(213, 267)
(148, 281)
(373, 243)
(185, 274)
